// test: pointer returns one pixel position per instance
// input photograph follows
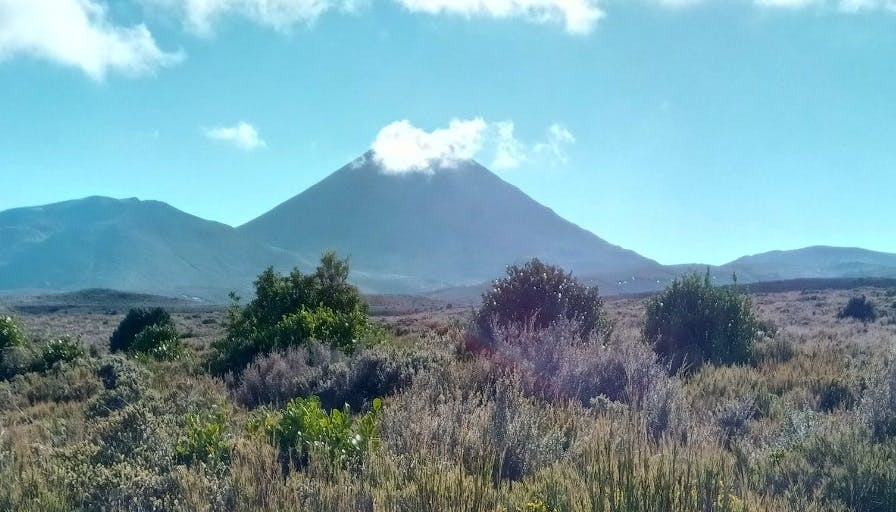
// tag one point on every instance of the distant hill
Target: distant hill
(94, 299)
(819, 267)
(128, 244)
(814, 262)
(415, 232)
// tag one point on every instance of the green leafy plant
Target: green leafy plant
(540, 294)
(159, 341)
(693, 322)
(17, 354)
(63, 349)
(136, 321)
(289, 310)
(11, 334)
(205, 439)
(303, 427)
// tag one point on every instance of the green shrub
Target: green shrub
(59, 350)
(15, 354)
(290, 310)
(693, 322)
(134, 323)
(859, 308)
(205, 439)
(160, 341)
(538, 294)
(304, 427)
(11, 334)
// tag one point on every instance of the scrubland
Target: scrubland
(431, 414)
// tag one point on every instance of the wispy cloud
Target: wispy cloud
(576, 16)
(558, 138)
(78, 33)
(242, 135)
(200, 16)
(401, 147)
(846, 6)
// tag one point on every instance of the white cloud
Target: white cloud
(78, 33)
(558, 138)
(789, 4)
(577, 16)
(847, 6)
(401, 147)
(510, 152)
(865, 5)
(242, 135)
(200, 16)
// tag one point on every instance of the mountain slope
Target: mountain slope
(454, 226)
(814, 262)
(127, 244)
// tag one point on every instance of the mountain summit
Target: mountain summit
(447, 225)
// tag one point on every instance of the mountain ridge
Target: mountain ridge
(449, 228)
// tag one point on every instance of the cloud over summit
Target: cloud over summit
(400, 147)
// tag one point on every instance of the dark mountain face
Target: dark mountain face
(453, 226)
(125, 244)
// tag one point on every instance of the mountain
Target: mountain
(133, 245)
(813, 262)
(445, 233)
(418, 231)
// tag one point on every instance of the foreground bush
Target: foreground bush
(537, 294)
(205, 439)
(135, 322)
(289, 311)
(859, 308)
(693, 322)
(303, 427)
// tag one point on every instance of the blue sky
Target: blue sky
(685, 130)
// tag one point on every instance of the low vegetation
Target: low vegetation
(292, 310)
(537, 295)
(859, 308)
(135, 322)
(694, 322)
(538, 413)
